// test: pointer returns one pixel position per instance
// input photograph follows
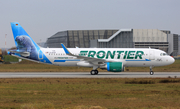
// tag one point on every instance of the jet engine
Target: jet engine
(115, 66)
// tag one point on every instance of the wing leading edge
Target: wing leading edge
(94, 61)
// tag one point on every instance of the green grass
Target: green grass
(9, 58)
(86, 93)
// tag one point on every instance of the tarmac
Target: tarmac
(88, 75)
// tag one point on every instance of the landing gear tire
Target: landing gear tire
(151, 73)
(94, 72)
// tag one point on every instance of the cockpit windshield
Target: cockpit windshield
(164, 54)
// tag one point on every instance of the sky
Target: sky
(43, 18)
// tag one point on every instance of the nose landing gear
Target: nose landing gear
(151, 71)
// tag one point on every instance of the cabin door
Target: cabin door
(151, 55)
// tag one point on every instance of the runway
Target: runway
(87, 75)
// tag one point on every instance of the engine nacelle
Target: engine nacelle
(115, 66)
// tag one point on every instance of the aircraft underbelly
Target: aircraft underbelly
(68, 63)
(140, 63)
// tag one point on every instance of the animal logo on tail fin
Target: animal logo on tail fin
(24, 43)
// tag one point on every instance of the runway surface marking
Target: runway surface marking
(87, 75)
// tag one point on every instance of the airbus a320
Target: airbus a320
(111, 59)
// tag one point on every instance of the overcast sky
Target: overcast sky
(43, 18)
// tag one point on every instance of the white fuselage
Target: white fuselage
(135, 57)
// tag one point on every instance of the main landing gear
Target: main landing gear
(151, 71)
(94, 72)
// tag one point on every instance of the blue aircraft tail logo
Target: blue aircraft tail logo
(26, 47)
(24, 42)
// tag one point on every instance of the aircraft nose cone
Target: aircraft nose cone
(172, 60)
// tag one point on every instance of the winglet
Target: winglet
(65, 49)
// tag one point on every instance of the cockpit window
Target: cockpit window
(163, 54)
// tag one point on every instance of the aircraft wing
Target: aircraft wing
(94, 61)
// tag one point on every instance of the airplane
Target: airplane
(111, 59)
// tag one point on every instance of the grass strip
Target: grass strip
(110, 93)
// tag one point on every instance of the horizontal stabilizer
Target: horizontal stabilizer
(22, 53)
